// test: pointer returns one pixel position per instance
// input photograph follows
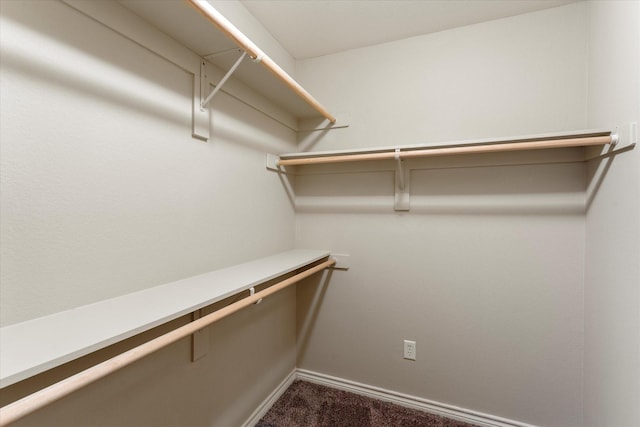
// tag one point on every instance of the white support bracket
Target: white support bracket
(252, 291)
(315, 125)
(200, 112)
(342, 261)
(399, 170)
(200, 116)
(199, 340)
(221, 83)
(402, 196)
(271, 162)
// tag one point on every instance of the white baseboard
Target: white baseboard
(454, 412)
(437, 408)
(264, 407)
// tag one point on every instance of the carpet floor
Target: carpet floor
(306, 404)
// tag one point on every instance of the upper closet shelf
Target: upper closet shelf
(402, 194)
(219, 44)
(531, 142)
(34, 346)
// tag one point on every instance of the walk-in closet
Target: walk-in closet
(431, 205)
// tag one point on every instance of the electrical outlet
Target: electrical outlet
(409, 350)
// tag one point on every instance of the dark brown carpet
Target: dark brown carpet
(310, 405)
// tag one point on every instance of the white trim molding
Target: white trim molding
(266, 404)
(454, 412)
(430, 406)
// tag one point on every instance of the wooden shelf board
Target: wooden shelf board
(34, 346)
(184, 24)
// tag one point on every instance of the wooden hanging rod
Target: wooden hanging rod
(31, 403)
(257, 54)
(443, 151)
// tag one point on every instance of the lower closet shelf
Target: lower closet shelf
(34, 346)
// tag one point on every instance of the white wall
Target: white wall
(104, 192)
(486, 270)
(612, 282)
(510, 77)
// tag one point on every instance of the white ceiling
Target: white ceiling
(310, 28)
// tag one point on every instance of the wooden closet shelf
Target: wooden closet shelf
(398, 154)
(535, 142)
(192, 27)
(34, 346)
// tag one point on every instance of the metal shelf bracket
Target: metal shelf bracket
(402, 197)
(203, 83)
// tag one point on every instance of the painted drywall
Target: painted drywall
(105, 192)
(612, 280)
(486, 270)
(509, 77)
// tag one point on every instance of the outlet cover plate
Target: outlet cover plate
(409, 350)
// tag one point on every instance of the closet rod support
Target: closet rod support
(426, 151)
(252, 292)
(242, 41)
(400, 169)
(215, 90)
